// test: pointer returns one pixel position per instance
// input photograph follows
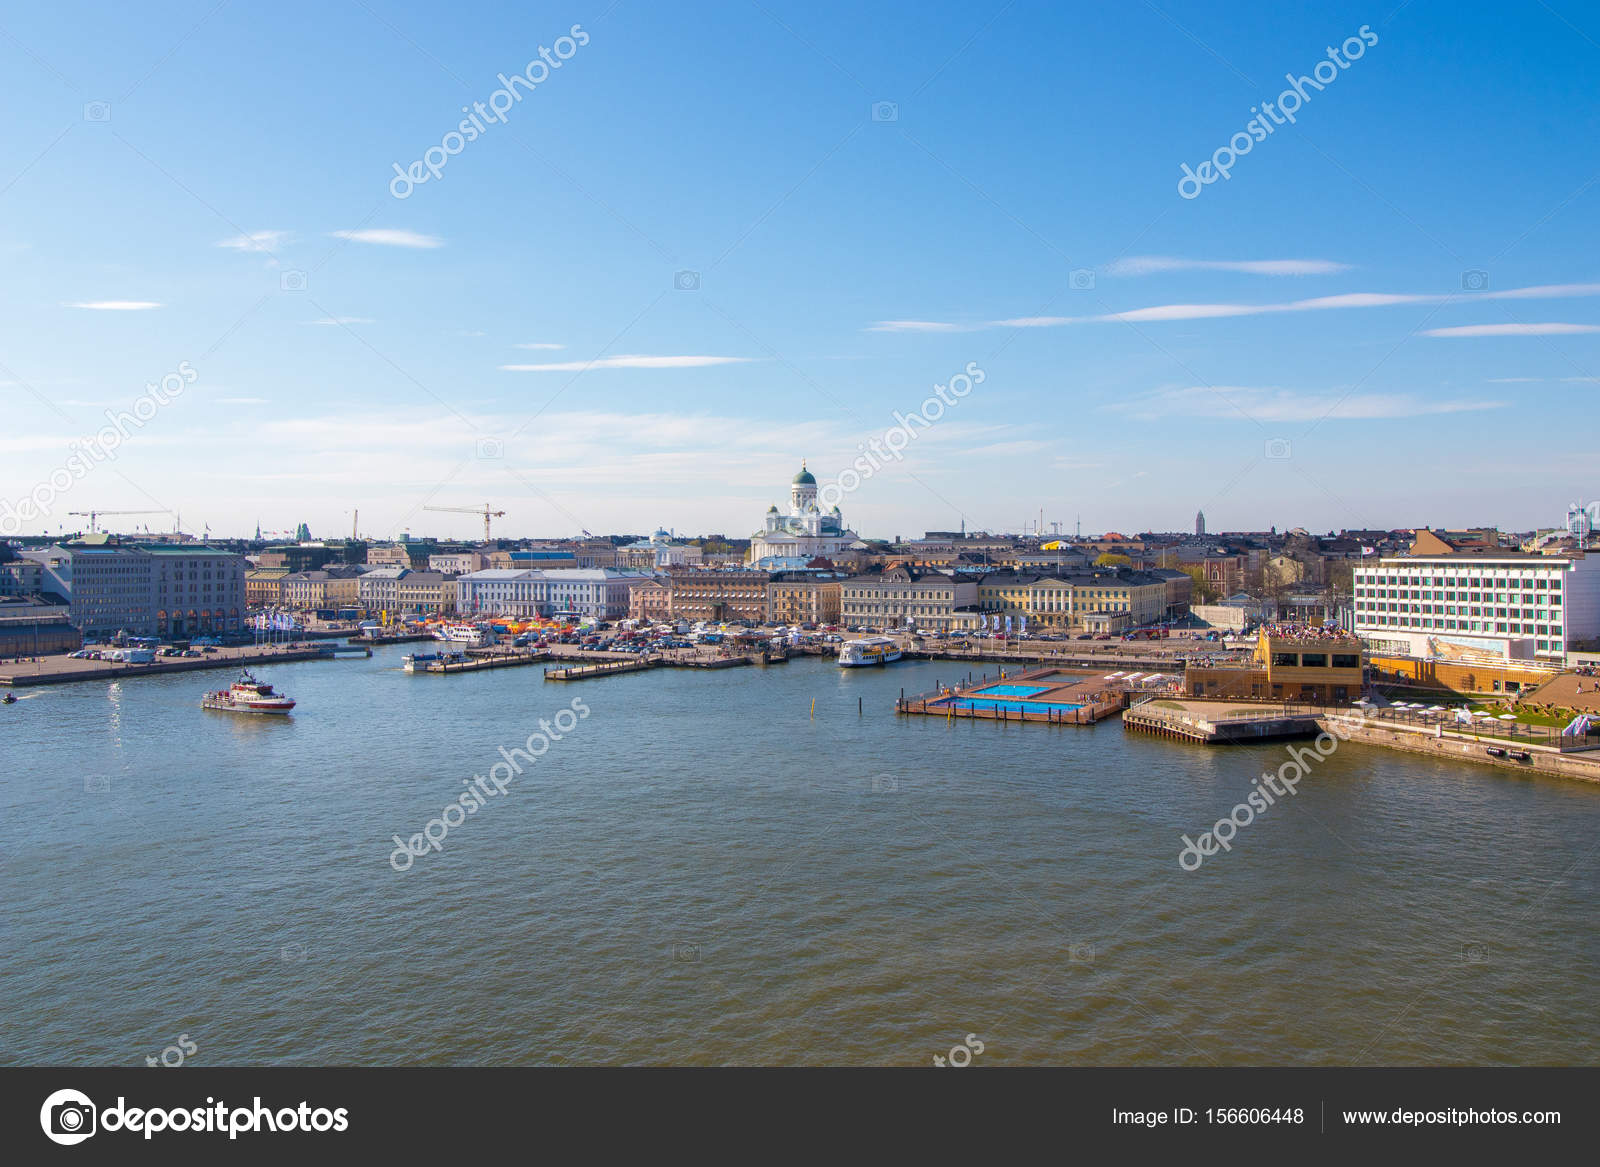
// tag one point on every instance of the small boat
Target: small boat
(871, 650)
(8, 699)
(418, 662)
(247, 695)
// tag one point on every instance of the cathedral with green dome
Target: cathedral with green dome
(807, 531)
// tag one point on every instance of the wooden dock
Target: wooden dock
(601, 669)
(476, 663)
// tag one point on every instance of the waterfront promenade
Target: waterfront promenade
(57, 670)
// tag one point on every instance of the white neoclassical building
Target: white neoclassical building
(806, 531)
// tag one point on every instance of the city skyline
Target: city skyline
(678, 260)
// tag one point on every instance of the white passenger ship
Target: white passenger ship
(870, 650)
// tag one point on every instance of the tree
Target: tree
(1109, 560)
(1204, 591)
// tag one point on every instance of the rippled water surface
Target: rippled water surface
(705, 870)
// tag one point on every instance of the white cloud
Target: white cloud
(915, 326)
(1143, 265)
(256, 241)
(390, 237)
(116, 305)
(472, 332)
(1271, 403)
(543, 345)
(629, 362)
(1512, 330)
(1166, 312)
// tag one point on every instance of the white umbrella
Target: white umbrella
(1508, 717)
(1436, 709)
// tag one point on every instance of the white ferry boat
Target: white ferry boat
(463, 634)
(870, 650)
(247, 695)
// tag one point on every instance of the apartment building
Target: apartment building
(718, 594)
(263, 586)
(149, 589)
(333, 587)
(804, 598)
(902, 596)
(1100, 601)
(426, 591)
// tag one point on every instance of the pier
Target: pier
(1219, 723)
(599, 669)
(480, 659)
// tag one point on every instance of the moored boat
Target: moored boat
(870, 650)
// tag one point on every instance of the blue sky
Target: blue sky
(210, 184)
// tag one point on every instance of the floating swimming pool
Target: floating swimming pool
(1015, 690)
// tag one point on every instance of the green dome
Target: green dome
(804, 478)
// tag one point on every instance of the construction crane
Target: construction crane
(92, 516)
(485, 512)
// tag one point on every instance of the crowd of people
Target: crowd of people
(1289, 630)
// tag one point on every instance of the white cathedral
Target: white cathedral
(806, 532)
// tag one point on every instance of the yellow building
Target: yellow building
(1101, 601)
(1323, 670)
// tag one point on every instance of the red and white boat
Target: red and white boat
(248, 695)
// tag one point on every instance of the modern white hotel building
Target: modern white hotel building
(1509, 604)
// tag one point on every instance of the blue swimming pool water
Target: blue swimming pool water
(991, 703)
(1014, 690)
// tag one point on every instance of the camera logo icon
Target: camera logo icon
(1475, 954)
(68, 1117)
(97, 111)
(686, 281)
(491, 448)
(1082, 279)
(686, 953)
(1475, 280)
(1082, 953)
(884, 784)
(293, 953)
(292, 281)
(1278, 449)
(97, 784)
(885, 111)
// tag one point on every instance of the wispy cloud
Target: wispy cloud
(336, 320)
(1144, 265)
(629, 362)
(915, 326)
(1272, 403)
(542, 345)
(1512, 330)
(390, 237)
(256, 241)
(1169, 312)
(116, 305)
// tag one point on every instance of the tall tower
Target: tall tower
(1199, 522)
(803, 491)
